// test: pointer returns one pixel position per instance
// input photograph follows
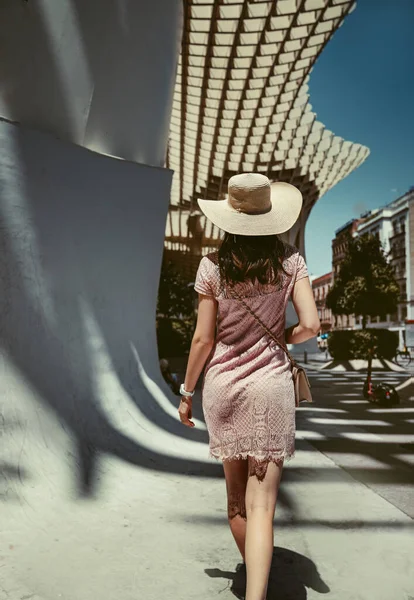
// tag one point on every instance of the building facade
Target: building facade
(320, 287)
(394, 226)
(339, 250)
(339, 243)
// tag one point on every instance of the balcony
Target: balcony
(397, 253)
(397, 236)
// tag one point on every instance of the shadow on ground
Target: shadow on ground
(10, 472)
(291, 574)
(65, 264)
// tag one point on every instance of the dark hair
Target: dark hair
(255, 258)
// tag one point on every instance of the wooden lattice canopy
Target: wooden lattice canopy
(241, 103)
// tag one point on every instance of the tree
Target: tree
(365, 284)
(175, 312)
(175, 296)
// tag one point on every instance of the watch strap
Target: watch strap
(184, 392)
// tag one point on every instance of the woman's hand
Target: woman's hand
(185, 411)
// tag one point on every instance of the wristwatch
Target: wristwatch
(183, 392)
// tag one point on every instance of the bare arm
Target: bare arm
(203, 340)
(304, 303)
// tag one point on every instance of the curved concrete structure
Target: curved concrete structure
(241, 103)
(75, 69)
(83, 101)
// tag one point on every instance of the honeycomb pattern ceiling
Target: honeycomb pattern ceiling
(241, 103)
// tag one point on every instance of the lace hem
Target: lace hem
(257, 466)
(258, 456)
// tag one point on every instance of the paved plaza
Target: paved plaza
(343, 527)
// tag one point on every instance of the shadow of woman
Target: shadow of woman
(291, 574)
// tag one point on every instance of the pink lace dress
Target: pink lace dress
(248, 396)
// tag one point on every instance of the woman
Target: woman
(248, 394)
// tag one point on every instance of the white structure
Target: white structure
(394, 226)
(85, 101)
(241, 103)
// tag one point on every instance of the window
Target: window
(395, 227)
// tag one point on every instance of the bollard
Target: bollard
(305, 358)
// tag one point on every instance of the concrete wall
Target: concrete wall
(81, 234)
(99, 73)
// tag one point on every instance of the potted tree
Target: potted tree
(365, 286)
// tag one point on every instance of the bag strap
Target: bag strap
(247, 307)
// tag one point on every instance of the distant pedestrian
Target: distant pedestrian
(248, 394)
(169, 377)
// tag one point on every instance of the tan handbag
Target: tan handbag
(300, 379)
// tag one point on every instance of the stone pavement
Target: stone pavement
(373, 444)
(343, 527)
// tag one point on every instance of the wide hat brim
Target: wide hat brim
(286, 202)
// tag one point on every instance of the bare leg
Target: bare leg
(261, 498)
(235, 472)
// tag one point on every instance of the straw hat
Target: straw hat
(254, 206)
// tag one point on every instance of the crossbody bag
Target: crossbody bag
(300, 379)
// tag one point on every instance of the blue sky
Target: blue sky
(362, 88)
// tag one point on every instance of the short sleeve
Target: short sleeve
(301, 268)
(203, 278)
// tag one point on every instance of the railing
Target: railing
(400, 234)
(397, 253)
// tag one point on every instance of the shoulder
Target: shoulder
(291, 255)
(209, 263)
(211, 259)
(294, 263)
(290, 250)
(208, 275)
